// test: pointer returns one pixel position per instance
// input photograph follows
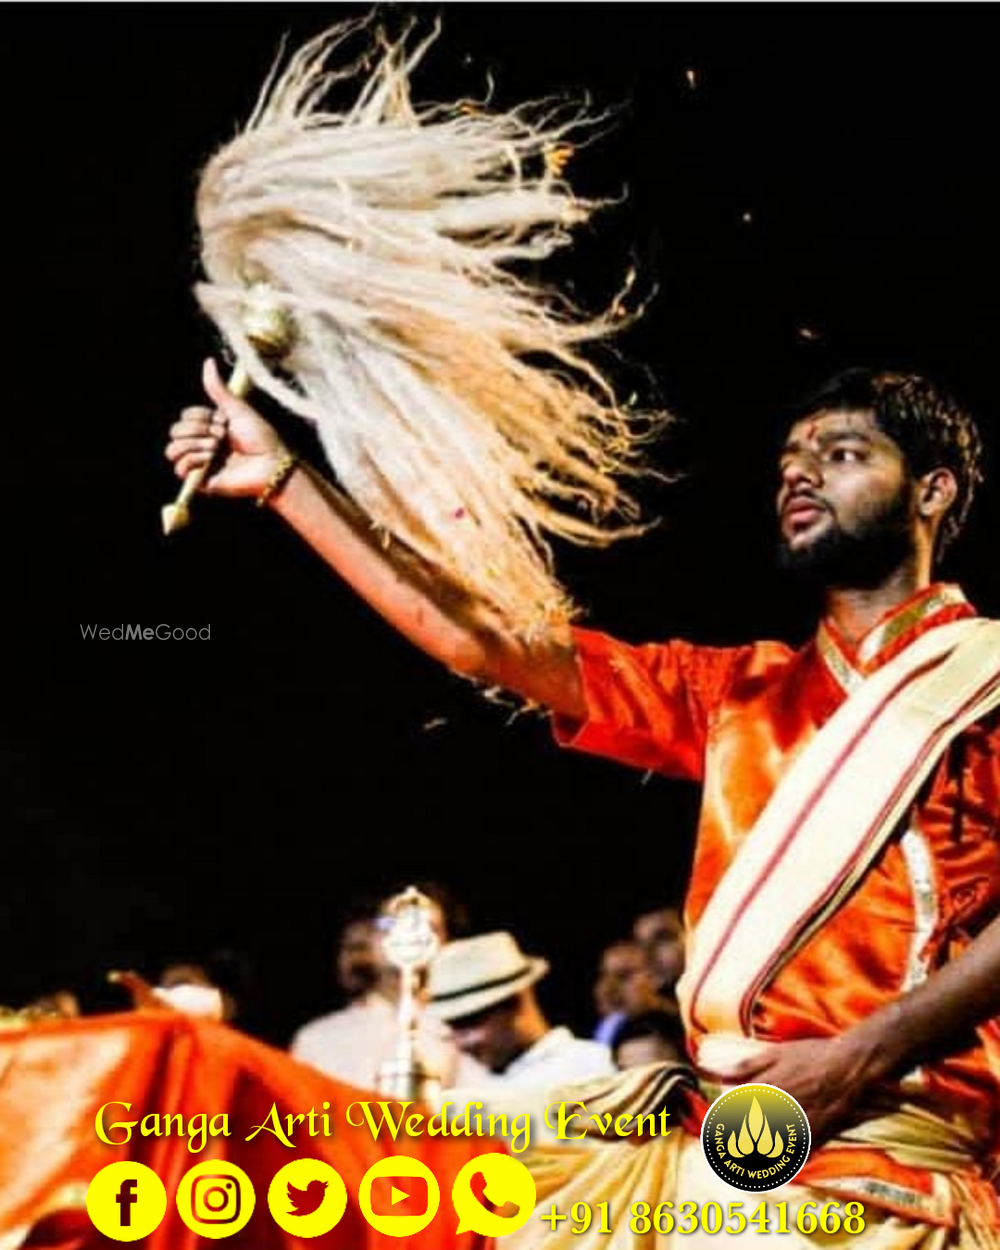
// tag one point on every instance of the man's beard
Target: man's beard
(863, 559)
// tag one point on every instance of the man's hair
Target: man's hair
(661, 1022)
(928, 425)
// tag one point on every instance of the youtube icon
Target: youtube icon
(399, 1196)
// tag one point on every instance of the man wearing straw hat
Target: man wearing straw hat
(483, 988)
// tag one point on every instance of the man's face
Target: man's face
(489, 1036)
(359, 959)
(659, 934)
(845, 501)
(621, 964)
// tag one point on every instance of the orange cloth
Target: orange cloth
(55, 1076)
(733, 719)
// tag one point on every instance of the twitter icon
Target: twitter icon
(307, 1197)
(306, 1201)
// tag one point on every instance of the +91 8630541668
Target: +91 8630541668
(668, 1217)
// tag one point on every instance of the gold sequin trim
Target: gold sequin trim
(920, 867)
(930, 1206)
(846, 676)
(883, 635)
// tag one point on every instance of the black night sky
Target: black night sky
(817, 191)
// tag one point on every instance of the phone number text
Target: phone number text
(709, 1217)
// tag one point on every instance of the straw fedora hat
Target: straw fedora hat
(474, 973)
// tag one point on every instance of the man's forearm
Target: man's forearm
(832, 1076)
(938, 1017)
(418, 601)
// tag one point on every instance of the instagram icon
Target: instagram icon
(215, 1198)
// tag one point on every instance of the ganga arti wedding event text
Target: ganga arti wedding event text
(566, 1120)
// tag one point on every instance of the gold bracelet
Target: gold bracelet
(286, 467)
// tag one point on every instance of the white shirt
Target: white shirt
(558, 1058)
(351, 1044)
(524, 1089)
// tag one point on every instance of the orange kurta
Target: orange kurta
(734, 719)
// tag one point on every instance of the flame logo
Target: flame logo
(755, 1134)
(746, 1150)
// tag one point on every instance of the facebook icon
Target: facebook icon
(125, 1198)
(126, 1201)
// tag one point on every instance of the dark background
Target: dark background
(165, 798)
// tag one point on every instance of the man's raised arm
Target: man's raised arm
(409, 594)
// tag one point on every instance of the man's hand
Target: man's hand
(827, 1077)
(253, 450)
(411, 595)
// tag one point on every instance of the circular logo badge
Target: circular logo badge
(755, 1137)
(215, 1198)
(307, 1197)
(126, 1201)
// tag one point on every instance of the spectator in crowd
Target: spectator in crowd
(63, 1003)
(650, 1037)
(483, 987)
(660, 934)
(351, 1044)
(623, 988)
(358, 963)
(189, 984)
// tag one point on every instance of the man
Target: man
(483, 987)
(358, 961)
(344, 1043)
(351, 1044)
(655, 1036)
(660, 934)
(189, 987)
(857, 973)
(623, 987)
